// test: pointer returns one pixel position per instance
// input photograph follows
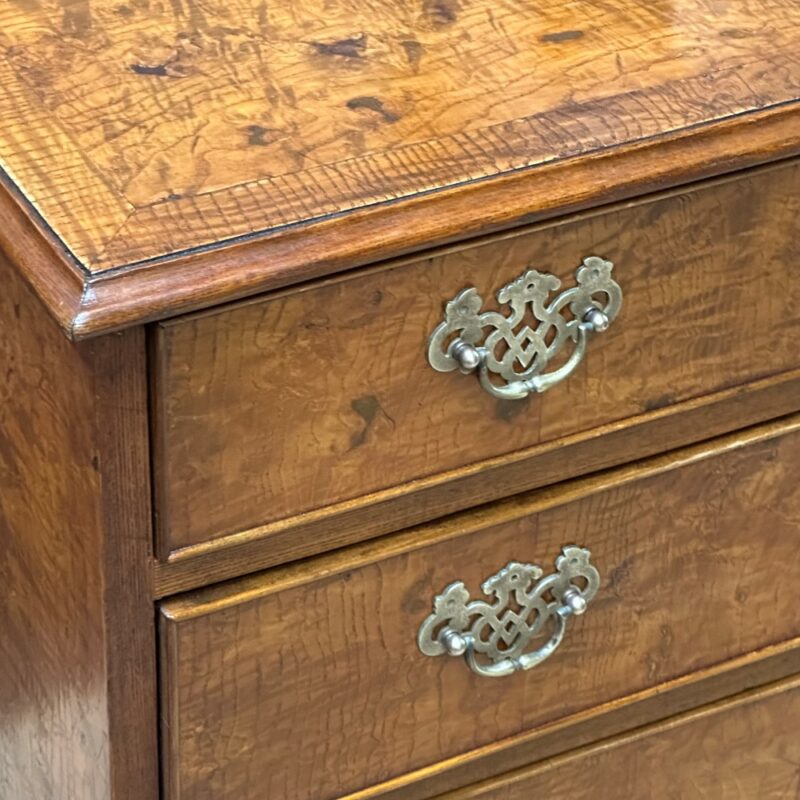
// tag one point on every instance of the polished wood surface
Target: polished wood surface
(620, 715)
(283, 406)
(384, 512)
(258, 210)
(741, 749)
(368, 707)
(609, 719)
(77, 656)
(136, 132)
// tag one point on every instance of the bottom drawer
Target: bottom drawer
(747, 748)
(307, 683)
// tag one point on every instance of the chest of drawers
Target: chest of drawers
(399, 400)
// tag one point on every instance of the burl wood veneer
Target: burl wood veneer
(734, 750)
(692, 550)
(231, 483)
(287, 405)
(141, 131)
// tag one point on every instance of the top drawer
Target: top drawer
(275, 408)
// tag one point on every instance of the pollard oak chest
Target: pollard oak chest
(399, 400)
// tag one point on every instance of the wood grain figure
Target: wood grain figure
(735, 750)
(314, 386)
(680, 592)
(140, 133)
(231, 481)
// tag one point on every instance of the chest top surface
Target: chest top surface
(178, 153)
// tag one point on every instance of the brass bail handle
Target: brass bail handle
(508, 354)
(495, 637)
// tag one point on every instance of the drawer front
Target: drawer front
(277, 408)
(308, 682)
(743, 749)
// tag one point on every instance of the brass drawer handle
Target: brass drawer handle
(493, 637)
(512, 350)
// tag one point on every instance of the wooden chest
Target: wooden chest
(399, 400)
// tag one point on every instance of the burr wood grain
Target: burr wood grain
(184, 153)
(282, 406)
(693, 555)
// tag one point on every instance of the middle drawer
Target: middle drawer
(308, 683)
